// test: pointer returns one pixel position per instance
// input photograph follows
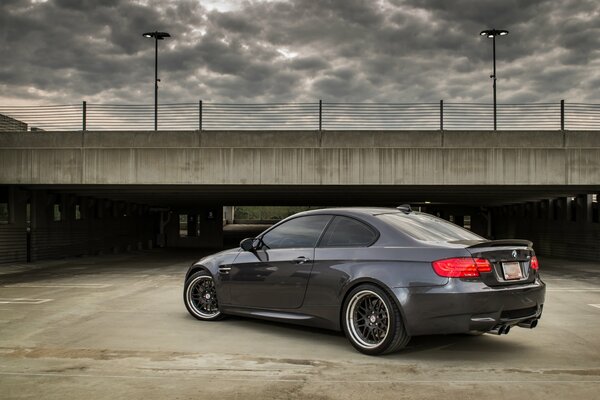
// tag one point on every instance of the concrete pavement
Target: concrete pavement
(115, 327)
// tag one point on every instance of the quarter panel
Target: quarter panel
(337, 269)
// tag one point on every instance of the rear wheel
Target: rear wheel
(200, 297)
(372, 321)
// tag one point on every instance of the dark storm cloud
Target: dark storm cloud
(309, 63)
(298, 50)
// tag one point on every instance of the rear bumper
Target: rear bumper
(462, 306)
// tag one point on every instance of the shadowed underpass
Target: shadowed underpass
(87, 193)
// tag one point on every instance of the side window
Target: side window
(296, 233)
(345, 232)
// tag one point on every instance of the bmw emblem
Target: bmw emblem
(514, 254)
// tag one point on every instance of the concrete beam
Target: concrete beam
(302, 158)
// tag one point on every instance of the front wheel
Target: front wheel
(372, 321)
(200, 297)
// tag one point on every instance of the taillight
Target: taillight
(535, 264)
(483, 265)
(465, 267)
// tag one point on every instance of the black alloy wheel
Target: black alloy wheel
(372, 321)
(200, 297)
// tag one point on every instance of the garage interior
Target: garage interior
(40, 222)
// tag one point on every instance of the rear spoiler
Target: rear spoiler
(473, 244)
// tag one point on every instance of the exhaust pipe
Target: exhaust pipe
(500, 330)
(532, 323)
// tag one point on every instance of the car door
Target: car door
(341, 254)
(275, 276)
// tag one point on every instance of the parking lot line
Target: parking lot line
(594, 305)
(60, 285)
(299, 379)
(22, 300)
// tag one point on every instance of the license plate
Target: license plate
(512, 271)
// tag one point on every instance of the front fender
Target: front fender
(211, 263)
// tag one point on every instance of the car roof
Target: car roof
(352, 211)
(389, 233)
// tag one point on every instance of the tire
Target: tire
(372, 321)
(195, 292)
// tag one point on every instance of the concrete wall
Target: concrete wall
(8, 124)
(562, 227)
(329, 157)
(104, 227)
(13, 234)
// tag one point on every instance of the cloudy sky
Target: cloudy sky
(66, 51)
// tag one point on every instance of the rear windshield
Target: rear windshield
(428, 228)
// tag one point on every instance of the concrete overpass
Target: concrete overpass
(533, 184)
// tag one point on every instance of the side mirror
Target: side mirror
(247, 244)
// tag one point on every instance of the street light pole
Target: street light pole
(492, 33)
(494, 57)
(156, 85)
(157, 36)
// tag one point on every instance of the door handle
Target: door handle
(301, 260)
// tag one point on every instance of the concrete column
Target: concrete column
(13, 234)
(545, 210)
(480, 223)
(584, 208)
(459, 220)
(228, 214)
(211, 226)
(167, 218)
(192, 225)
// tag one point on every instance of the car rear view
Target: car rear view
(493, 285)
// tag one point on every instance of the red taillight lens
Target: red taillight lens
(535, 264)
(483, 265)
(461, 267)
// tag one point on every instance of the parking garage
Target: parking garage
(87, 193)
(97, 230)
(46, 222)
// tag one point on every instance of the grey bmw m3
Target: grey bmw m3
(380, 275)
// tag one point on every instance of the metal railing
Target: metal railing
(297, 116)
(302, 116)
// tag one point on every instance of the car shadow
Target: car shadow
(426, 348)
(461, 347)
